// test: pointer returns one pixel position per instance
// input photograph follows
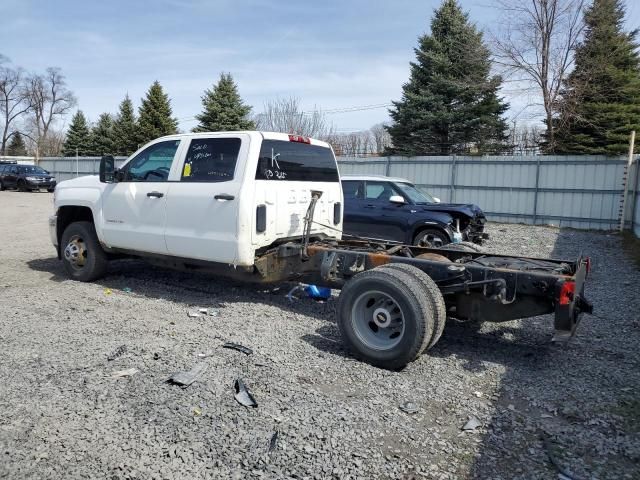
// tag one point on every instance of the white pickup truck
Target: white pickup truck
(268, 207)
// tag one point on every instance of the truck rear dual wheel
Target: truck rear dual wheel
(83, 257)
(386, 316)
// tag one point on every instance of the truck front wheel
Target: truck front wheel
(83, 257)
(384, 317)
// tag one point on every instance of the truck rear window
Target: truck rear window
(294, 161)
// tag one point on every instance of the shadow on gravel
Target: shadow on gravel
(559, 393)
(190, 288)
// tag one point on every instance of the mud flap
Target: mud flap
(571, 303)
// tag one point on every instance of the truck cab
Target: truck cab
(211, 197)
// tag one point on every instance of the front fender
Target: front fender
(441, 222)
(89, 197)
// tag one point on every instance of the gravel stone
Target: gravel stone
(64, 417)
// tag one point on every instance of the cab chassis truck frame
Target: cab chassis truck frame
(395, 298)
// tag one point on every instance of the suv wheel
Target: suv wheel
(431, 237)
(83, 257)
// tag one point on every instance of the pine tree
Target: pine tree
(450, 103)
(154, 119)
(223, 108)
(601, 101)
(77, 139)
(101, 137)
(125, 129)
(17, 147)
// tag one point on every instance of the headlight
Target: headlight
(31, 179)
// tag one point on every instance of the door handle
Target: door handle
(224, 196)
(155, 194)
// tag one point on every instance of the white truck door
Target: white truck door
(134, 208)
(202, 208)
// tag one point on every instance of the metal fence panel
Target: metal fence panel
(569, 191)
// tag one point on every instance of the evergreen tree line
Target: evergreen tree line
(451, 103)
(123, 133)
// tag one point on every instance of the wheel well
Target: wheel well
(69, 214)
(422, 228)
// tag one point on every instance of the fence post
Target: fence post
(535, 193)
(623, 208)
(453, 179)
(388, 168)
(636, 186)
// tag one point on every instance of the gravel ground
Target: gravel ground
(64, 415)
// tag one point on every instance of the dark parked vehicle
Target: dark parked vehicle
(25, 178)
(395, 209)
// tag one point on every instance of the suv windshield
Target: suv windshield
(415, 194)
(32, 169)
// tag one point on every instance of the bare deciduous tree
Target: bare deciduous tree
(536, 44)
(526, 139)
(285, 115)
(381, 138)
(50, 99)
(14, 102)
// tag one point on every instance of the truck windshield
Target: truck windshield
(415, 194)
(296, 161)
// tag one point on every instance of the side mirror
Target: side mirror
(436, 199)
(396, 199)
(107, 169)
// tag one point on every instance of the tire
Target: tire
(83, 257)
(51, 190)
(434, 297)
(431, 237)
(365, 315)
(464, 247)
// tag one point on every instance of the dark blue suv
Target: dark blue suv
(395, 209)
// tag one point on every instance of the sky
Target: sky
(332, 55)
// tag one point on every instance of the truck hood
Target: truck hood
(470, 210)
(86, 181)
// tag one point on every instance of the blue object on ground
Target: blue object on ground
(317, 293)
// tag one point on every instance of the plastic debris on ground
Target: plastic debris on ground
(197, 411)
(200, 312)
(238, 347)
(242, 395)
(471, 424)
(121, 350)
(409, 407)
(107, 291)
(273, 443)
(313, 291)
(127, 290)
(124, 373)
(317, 293)
(184, 379)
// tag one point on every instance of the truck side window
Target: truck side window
(152, 164)
(211, 160)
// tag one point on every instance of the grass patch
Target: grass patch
(631, 245)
